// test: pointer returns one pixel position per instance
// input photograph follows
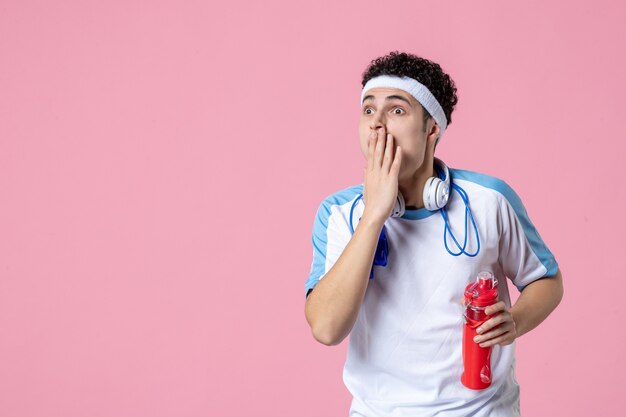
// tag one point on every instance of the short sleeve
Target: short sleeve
(523, 254)
(329, 238)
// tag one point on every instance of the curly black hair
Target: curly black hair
(426, 72)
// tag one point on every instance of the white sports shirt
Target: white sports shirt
(405, 351)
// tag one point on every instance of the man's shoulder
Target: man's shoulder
(338, 202)
(486, 182)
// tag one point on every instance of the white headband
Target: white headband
(414, 88)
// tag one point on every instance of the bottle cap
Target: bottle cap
(483, 292)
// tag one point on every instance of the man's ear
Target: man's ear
(433, 131)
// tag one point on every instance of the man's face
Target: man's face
(402, 116)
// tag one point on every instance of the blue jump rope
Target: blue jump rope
(382, 249)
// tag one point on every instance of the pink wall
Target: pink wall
(161, 165)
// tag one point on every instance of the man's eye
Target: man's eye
(366, 110)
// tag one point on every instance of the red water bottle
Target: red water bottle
(477, 360)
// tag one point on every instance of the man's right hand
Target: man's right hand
(380, 185)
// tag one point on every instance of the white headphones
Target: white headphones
(436, 192)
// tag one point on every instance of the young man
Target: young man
(405, 318)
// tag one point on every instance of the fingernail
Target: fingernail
(479, 330)
(476, 339)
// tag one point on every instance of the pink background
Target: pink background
(161, 165)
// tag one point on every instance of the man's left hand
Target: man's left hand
(499, 329)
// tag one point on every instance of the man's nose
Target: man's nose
(378, 121)
(378, 127)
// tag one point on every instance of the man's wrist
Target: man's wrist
(516, 315)
(370, 220)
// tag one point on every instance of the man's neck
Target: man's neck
(412, 189)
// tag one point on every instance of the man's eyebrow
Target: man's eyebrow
(388, 98)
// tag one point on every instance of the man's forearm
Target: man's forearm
(536, 302)
(332, 308)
